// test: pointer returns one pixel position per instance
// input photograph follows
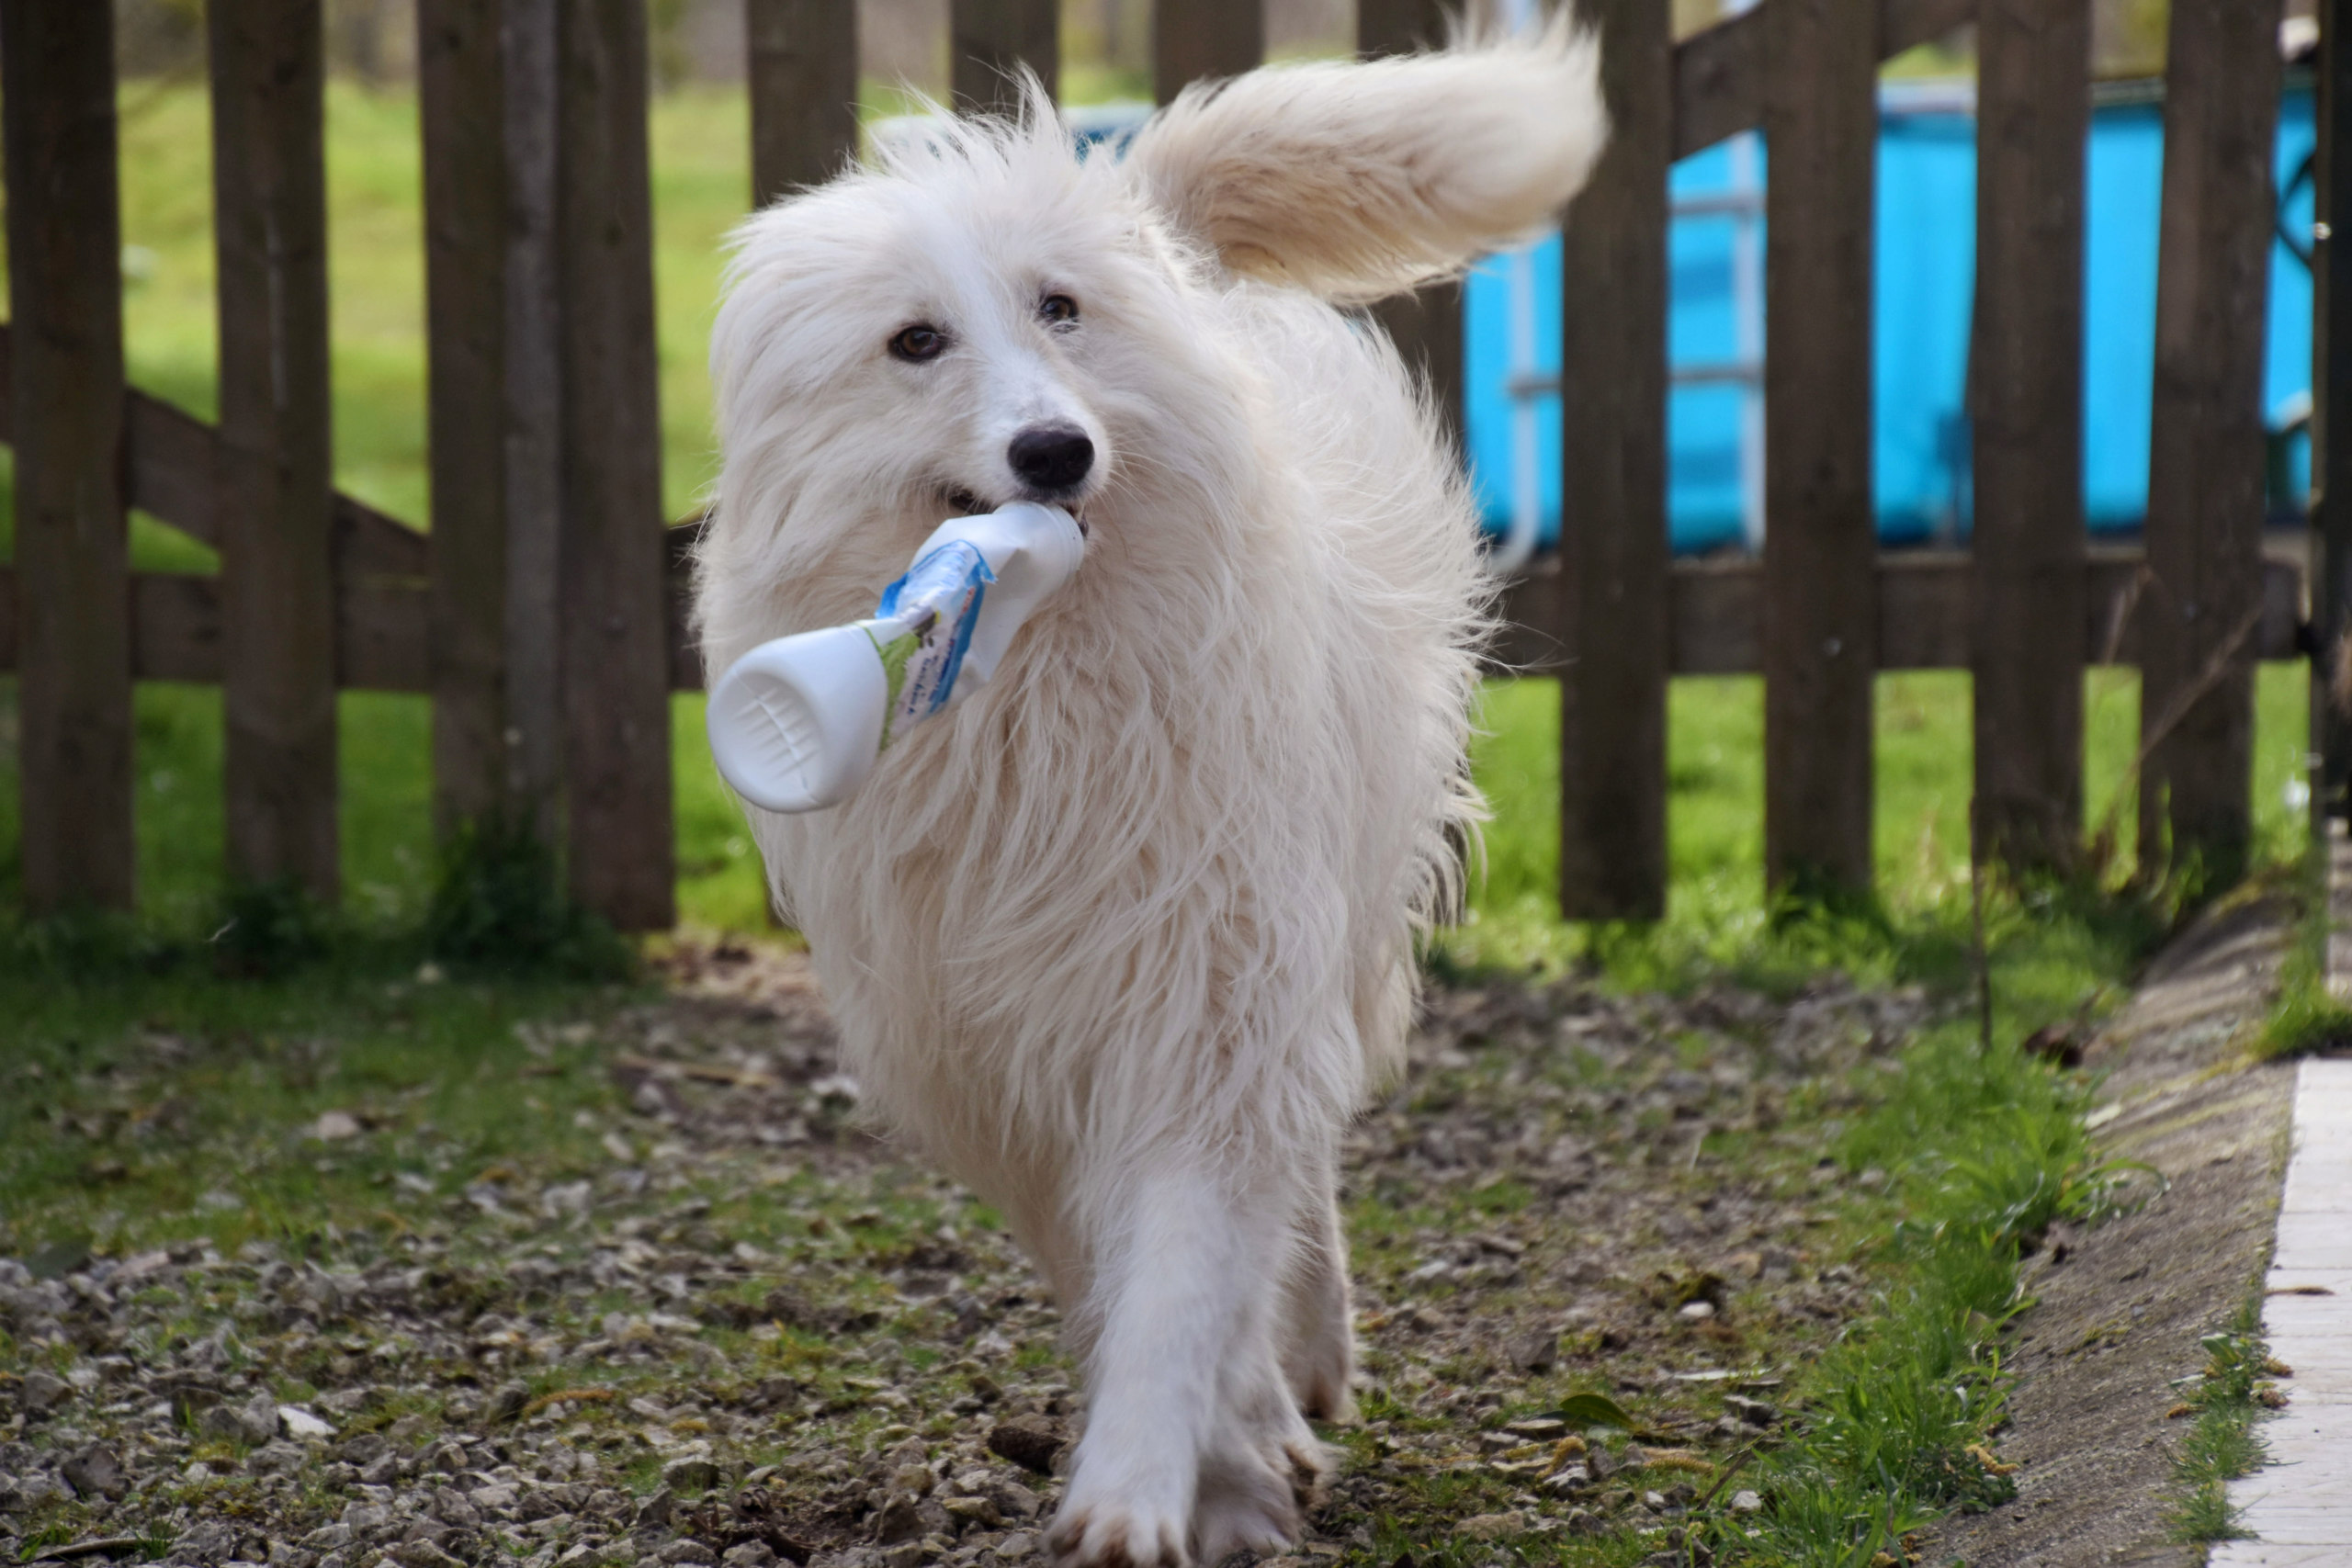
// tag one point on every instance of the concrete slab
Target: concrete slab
(2301, 1501)
(2269, 1554)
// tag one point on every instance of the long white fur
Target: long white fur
(1126, 938)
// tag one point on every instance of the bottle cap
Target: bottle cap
(796, 724)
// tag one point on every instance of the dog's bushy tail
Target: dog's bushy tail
(1355, 181)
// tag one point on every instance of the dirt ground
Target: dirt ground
(741, 1330)
(2120, 1307)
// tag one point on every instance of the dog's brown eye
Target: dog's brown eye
(918, 343)
(1059, 309)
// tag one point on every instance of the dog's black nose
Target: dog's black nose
(1051, 457)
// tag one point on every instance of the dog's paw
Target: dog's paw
(1109, 1534)
(1319, 1368)
(1256, 1498)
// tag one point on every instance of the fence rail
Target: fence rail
(545, 615)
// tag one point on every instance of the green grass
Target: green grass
(2222, 1445)
(2306, 1016)
(1982, 1149)
(1716, 910)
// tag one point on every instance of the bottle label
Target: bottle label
(934, 608)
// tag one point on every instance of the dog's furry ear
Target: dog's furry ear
(1357, 181)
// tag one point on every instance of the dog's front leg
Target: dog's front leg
(1182, 1364)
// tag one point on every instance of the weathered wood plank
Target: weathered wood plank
(1719, 70)
(1613, 424)
(1925, 614)
(803, 69)
(615, 632)
(2205, 475)
(1426, 326)
(274, 510)
(461, 88)
(1714, 612)
(991, 40)
(1820, 535)
(2032, 119)
(533, 361)
(170, 467)
(73, 544)
(2331, 440)
(1208, 39)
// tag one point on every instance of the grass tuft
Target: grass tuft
(500, 908)
(2222, 1445)
(2306, 1017)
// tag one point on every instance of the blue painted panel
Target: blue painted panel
(1926, 235)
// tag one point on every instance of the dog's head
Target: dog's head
(975, 318)
(984, 315)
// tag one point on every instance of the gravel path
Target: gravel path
(751, 1332)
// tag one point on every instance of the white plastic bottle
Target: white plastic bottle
(797, 724)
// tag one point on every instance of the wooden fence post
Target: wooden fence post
(615, 602)
(1205, 38)
(276, 473)
(2032, 120)
(532, 354)
(1612, 435)
(486, 89)
(1820, 535)
(2331, 581)
(461, 103)
(1426, 326)
(2205, 473)
(804, 92)
(73, 550)
(991, 38)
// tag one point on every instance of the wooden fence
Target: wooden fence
(544, 615)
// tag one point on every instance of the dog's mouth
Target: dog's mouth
(969, 503)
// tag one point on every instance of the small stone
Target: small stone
(1696, 1312)
(333, 1126)
(1027, 1444)
(301, 1423)
(278, 1458)
(749, 1554)
(508, 1402)
(654, 1511)
(258, 1416)
(1754, 1412)
(1536, 1352)
(691, 1473)
(1584, 1521)
(421, 1552)
(1654, 1501)
(1493, 1527)
(681, 1551)
(914, 1480)
(207, 1541)
(1569, 1478)
(94, 1473)
(41, 1391)
(362, 1450)
(980, 1511)
(1746, 1502)
(898, 1520)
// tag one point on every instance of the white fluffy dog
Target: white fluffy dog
(1124, 939)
